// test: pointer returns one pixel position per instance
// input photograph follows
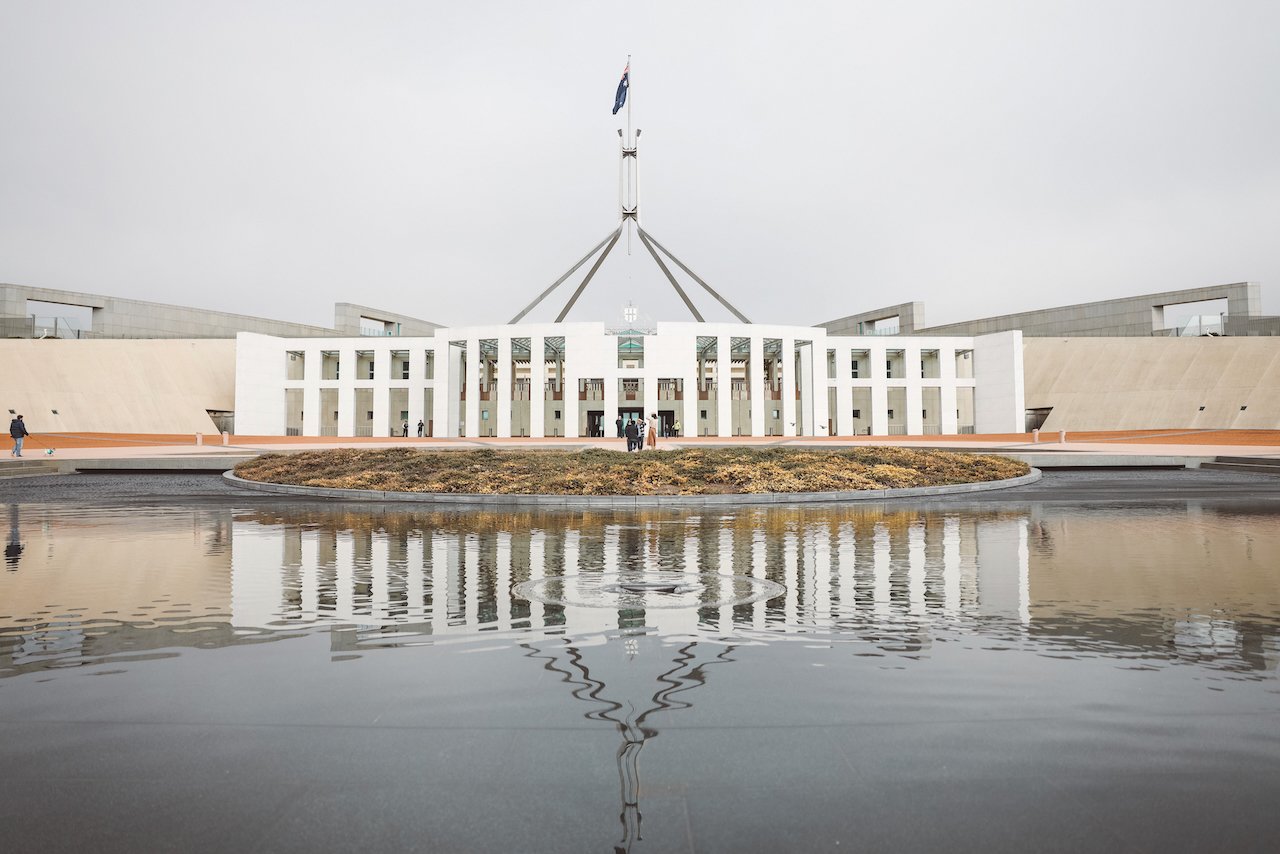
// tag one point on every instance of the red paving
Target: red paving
(212, 440)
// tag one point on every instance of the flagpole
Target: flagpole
(631, 141)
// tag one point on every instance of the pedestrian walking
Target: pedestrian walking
(652, 432)
(632, 434)
(17, 432)
(421, 427)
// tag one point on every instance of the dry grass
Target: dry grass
(686, 471)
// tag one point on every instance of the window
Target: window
(557, 414)
(369, 415)
(404, 415)
(404, 370)
(855, 369)
(924, 413)
(484, 415)
(776, 413)
(703, 411)
(857, 413)
(891, 414)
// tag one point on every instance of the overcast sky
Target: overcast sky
(809, 160)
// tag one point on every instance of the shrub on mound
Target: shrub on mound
(681, 471)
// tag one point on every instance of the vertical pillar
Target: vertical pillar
(503, 386)
(609, 372)
(474, 366)
(312, 372)
(347, 392)
(813, 395)
(571, 373)
(876, 355)
(915, 397)
(451, 394)
(787, 403)
(947, 382)
(688, 412)
(759, 386)
(537, 386)
(724, 385)
(382, 414)
(649, 376)
(416, 386)
(843, 425)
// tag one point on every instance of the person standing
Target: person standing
(675, 428)
(621, 431)
(640, 425)
(421, 426)
(404, 431)
(652, 432)
(18, 432)
(632, 434)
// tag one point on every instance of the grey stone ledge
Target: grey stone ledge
(629, 502)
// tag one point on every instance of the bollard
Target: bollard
(1035, 435)
(226, 438)
(1062, 436)
(199, 438)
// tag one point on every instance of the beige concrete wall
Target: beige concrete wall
(1154, 383)
(1138, 316)
(161, 386)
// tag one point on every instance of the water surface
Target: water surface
(317, 677)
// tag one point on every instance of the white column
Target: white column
(649, 378)
(947, 378)
(312, 372)
(417, 371)
(570, 406)
(844, 391)
(787, 403)
(537, 386)
(382, 393)
(611, 380)
(879, 390)
(759, 389)
(452, 393)
(346, 392)
(503, 386)
(813, 395)
(724, 385)
(473, 387)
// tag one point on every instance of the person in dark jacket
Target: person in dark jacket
(18, 432)
(633, 435)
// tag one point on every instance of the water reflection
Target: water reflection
(1184, 585)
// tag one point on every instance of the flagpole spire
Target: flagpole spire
(635, 160)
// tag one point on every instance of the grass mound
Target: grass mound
(683, 471)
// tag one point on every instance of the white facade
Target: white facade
(490, 381)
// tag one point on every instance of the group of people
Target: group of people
(640, 433)
(404, 429)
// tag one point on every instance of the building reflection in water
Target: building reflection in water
(442, 580)
(1187, 583)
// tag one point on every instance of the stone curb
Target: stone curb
(629, 502)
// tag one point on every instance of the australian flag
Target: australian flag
(621, 98)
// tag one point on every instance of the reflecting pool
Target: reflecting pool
(893, 677)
